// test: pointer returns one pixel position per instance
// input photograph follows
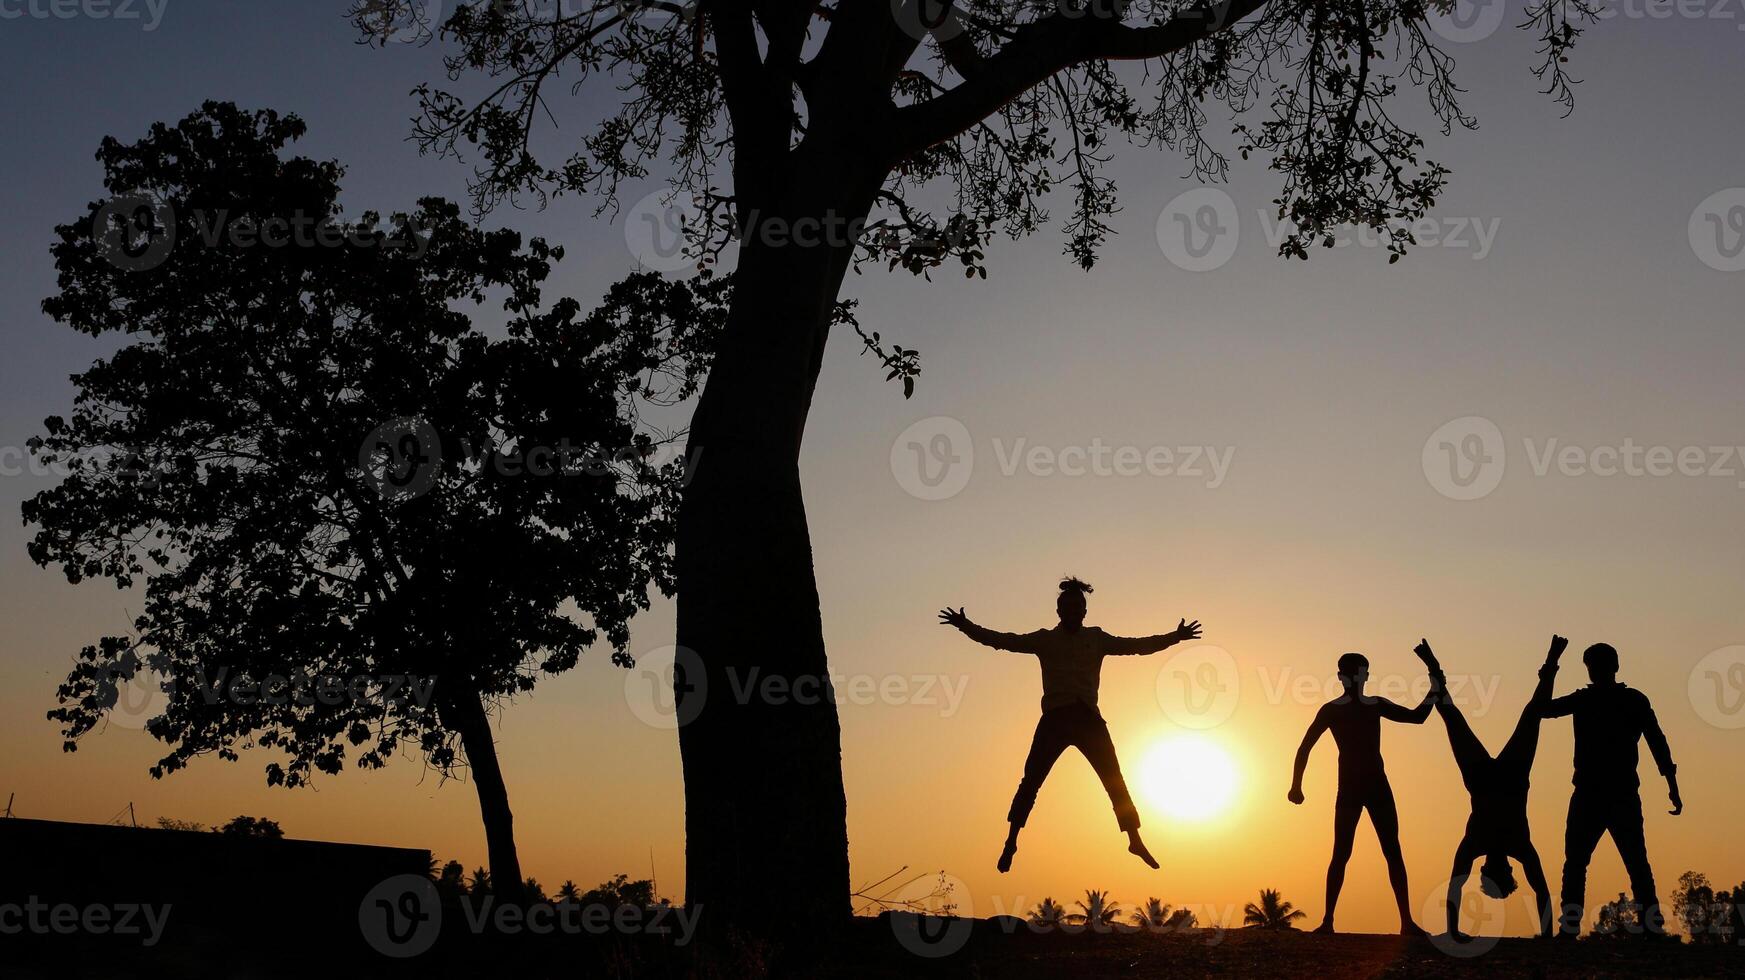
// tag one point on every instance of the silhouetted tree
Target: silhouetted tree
(1096, 911)
(788, 121)
(451, 882)
(1048, 913)
(621, 890)
(1271, 912)
(480, 884)
(569, 893)
(1617, 920)
(1693, 902)
(244, 826)
(171, 823)
(360, 522)
(1153, 915)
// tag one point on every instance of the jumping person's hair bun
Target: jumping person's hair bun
(1072, 584)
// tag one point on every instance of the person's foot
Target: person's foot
(1413, 929)
(1137, 847)
(1325, 928)
(1006, 856)
(1457, 936)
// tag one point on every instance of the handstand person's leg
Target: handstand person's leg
(1385, 817)
(1099, 748)
(1345, 814)
(1045, 747)
(1470, 754)
(1528, 855)
(1464, 856)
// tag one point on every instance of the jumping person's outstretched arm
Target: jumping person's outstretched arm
(1310, 737)
(1015, 642)
(1116, 646)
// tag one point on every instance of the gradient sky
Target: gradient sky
(1590, 319)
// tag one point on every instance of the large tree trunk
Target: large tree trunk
(464, 712)
(765, 815)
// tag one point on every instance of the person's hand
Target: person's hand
(1187, 630)
(1296, 795)
(1677, 800)
(949, 617)
(1558, 645)
(1423, 651)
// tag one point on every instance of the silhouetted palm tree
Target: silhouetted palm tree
(1155, 915)
(568, 892)
(1097, 911)
(1273, 912)
(1048, 913)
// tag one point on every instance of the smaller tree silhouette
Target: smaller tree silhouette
(1617, 920)
(1097, 911)
(1154, 915)
(244, 826)
(1271, 912)
(1695, 905)
(1048, 913)
(451, 881)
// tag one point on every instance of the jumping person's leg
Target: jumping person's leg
(1464, 856)
(1385, 817)
(1094, 741)
(1050, 740)
(1345, 814)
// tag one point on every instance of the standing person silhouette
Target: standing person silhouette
(1355, 721)
(1497, 829)
(1610, 719)
(1071, 655)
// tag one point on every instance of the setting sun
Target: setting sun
(1190, 777)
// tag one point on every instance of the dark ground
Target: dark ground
(989, 952)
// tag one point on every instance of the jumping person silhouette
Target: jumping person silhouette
(1497, 829)
(1610, 719)
(1355, 720)
(1071, 655)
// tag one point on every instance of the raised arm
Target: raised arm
(1316, 729)
(1116, 646)
(1547, 677)
(1015, 642)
